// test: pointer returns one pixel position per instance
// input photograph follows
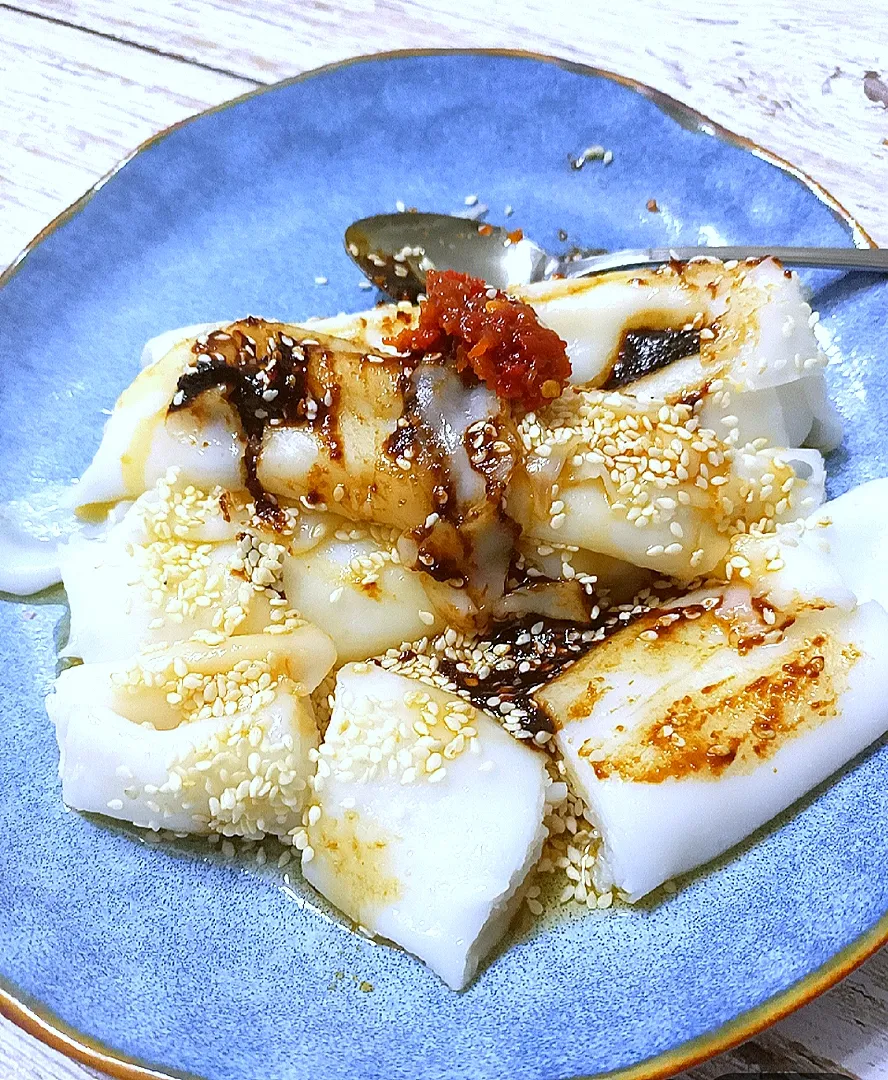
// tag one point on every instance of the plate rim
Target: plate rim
(42, 1024)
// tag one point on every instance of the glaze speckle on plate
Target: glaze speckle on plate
(199, 964)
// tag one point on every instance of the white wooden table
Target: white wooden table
(82, 82)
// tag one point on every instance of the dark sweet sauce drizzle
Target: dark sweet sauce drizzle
(642, 352)
(546, 647)
(263, 374)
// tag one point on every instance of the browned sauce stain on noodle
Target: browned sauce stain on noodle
(732, 723)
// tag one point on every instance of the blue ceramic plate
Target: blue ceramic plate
(190, 965)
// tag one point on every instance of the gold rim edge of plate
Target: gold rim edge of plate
(51, 1030)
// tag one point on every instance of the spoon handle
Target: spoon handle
(872, 259)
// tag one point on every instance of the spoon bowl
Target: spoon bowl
(395, 250)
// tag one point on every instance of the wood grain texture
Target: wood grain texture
(82, 82)
(71, 105)
(844, 1031)
(788, 75)
(24, 1058)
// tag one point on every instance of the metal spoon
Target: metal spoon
(395, 250)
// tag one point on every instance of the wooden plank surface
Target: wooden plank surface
(82, 82)
(788, 75)
(71, 105)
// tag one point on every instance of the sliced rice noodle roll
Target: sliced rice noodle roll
(195, 738)
(697, 723)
